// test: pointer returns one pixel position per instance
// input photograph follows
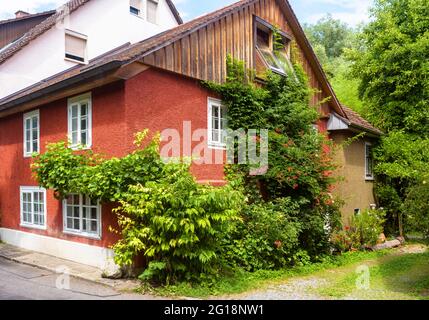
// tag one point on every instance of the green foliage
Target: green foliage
(394, 69)
(367, 227)
(292, 201)
(266, 237)
(163, 213)
(176, 223)
(332, 41)
(364, 231)
(416, 206)
(332, 34)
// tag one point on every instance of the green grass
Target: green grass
(398, 277)
(242, 281)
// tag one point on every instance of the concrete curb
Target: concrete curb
(53, 264)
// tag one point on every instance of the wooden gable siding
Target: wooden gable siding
(202, 54)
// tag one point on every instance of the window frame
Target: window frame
(156, 13)
(32, 190)
(211, 143)
(261, 25)
(367, 176)
(140, 10)
(79, 36)
(83, 234)
(30, 116)
(71, 102)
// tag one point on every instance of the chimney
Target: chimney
(21, 14)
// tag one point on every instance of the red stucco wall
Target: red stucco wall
(154, 99)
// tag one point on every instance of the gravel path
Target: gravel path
(304, 288)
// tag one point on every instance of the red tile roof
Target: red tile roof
(356, 120)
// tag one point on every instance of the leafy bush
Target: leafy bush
(176, 223)
(164, 215)
(364, 231)
(417, 208)
(266, 237)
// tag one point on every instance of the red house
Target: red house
(100, 102)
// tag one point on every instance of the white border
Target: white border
(30, 115)
(45, 213)
(94, 236)
(86, 97)
(368, 178)
(211, 144)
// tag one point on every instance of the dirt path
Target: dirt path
(306, 288)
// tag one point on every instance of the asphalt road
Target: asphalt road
(22, 282)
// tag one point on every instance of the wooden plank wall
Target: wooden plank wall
(202, 54)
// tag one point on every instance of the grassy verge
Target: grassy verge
(241, 281)
(390, 278)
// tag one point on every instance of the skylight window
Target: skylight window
(274, 53)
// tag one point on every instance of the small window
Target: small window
(80, 121)
(135, 7)
(152, 10)
(82, 216)
(217, 123)
(369, 162)
(33, 207)
(274, 52)
(31, 133)
(75, 47)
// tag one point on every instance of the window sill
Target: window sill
(217, 146)
(32, 226)
(369, 179)
(76, 61)
(136, 15)
(80, 148)
(82, 235)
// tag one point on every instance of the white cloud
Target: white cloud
(8, 7)
(352, 12)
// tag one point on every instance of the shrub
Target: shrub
(416, 207)
(366, 227)
(176, 224)
(266, 237)
(364, 231)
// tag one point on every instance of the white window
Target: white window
(136, 7)
(31, 133)
(217, 123)
(369, 162)
(80, 121)
(82, 216)
(75, 46)
(33, 207)
(152, 10)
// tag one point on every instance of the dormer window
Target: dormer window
(152, 10)
(273, 47)
(75, 49)
(136, 7)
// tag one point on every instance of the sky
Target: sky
(352, 12)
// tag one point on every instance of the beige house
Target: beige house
(354, 157)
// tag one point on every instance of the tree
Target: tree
(394, 83)
(332, 40)
(332, 34)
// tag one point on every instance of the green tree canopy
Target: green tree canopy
(394, 68)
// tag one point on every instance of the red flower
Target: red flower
(278, 244)
(296, 186)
